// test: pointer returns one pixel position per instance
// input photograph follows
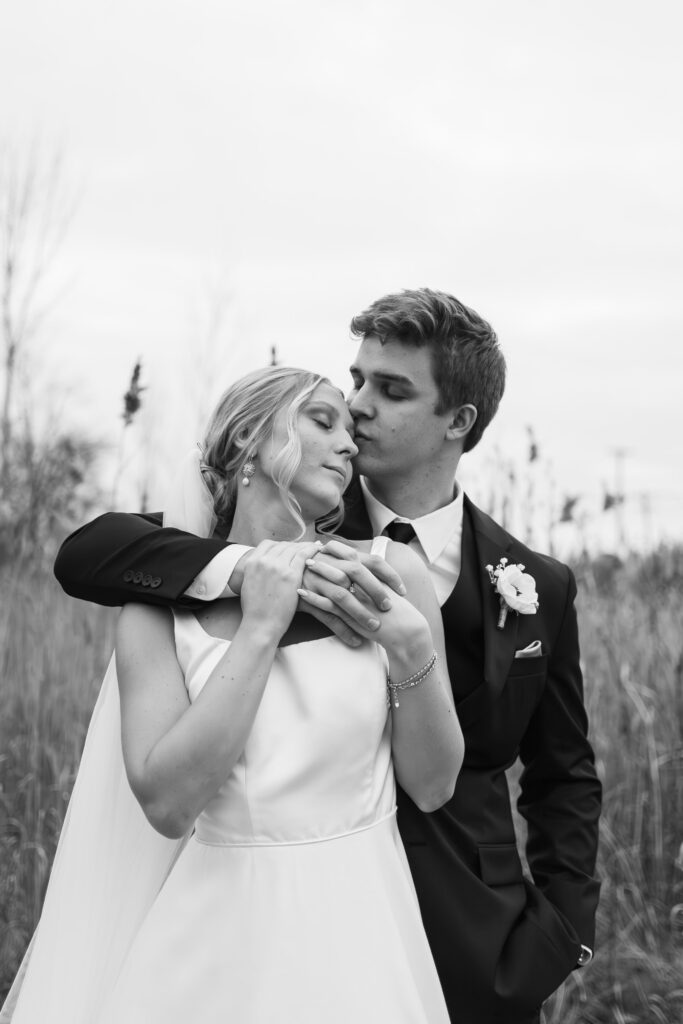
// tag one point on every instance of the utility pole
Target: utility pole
(647, 520)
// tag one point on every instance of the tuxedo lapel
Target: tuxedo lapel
(462, 619)
(491, 543)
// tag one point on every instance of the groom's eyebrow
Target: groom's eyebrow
(395, 378)
(384, 375)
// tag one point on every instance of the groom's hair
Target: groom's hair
(468, 366)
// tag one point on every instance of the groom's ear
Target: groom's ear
(460, 423)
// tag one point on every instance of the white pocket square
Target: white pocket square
(533, 650)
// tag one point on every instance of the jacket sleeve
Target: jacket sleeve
(560, 791)
(121, 557)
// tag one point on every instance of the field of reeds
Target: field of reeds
(54, 651)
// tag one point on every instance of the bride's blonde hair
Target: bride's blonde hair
(240, 425)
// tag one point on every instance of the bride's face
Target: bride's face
(325, 430)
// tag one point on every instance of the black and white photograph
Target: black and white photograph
(341, 512)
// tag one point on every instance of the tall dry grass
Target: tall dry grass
(631, 621)
(54, 652)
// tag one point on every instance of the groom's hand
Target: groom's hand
(350, 588)
(333, 569)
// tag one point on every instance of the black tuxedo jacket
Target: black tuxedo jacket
(502, 942)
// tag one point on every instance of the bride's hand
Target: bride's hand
(348, 613)
(354, 586)
(269, 590)
(398, 627)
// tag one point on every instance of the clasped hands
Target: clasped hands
(344, 588)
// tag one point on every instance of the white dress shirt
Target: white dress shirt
(438, 538)
(212, 581)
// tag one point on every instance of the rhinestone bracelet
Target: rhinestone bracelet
(405, 684)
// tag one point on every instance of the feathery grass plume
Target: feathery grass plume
(533, 445)
(611, 501)
(132, 403)
(132, 399)
(568, 504)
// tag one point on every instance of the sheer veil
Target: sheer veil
(110, 863)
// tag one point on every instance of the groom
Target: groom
(428, 378)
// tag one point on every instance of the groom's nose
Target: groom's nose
(357, 403)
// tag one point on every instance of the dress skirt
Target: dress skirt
(327, 932)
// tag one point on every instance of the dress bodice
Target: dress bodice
(317, 763)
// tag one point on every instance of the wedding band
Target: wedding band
(352, 588)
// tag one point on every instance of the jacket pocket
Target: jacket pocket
(529, 667)
(499, 864)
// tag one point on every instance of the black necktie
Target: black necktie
(402, 532)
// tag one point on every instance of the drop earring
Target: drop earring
(248, 470)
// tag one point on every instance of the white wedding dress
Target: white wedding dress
(292, 901)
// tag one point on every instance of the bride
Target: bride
(247, 865)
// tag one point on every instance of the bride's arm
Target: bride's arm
(177, 754)
(427, 742)
(426, 739)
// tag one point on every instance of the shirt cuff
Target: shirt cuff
(212, 581)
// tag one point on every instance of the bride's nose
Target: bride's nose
(347, 444)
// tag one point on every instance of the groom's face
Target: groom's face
(392, 403)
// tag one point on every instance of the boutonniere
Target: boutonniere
(517, 590)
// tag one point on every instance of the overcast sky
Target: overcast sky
(282, 165)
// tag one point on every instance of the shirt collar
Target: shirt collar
(434, 530)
